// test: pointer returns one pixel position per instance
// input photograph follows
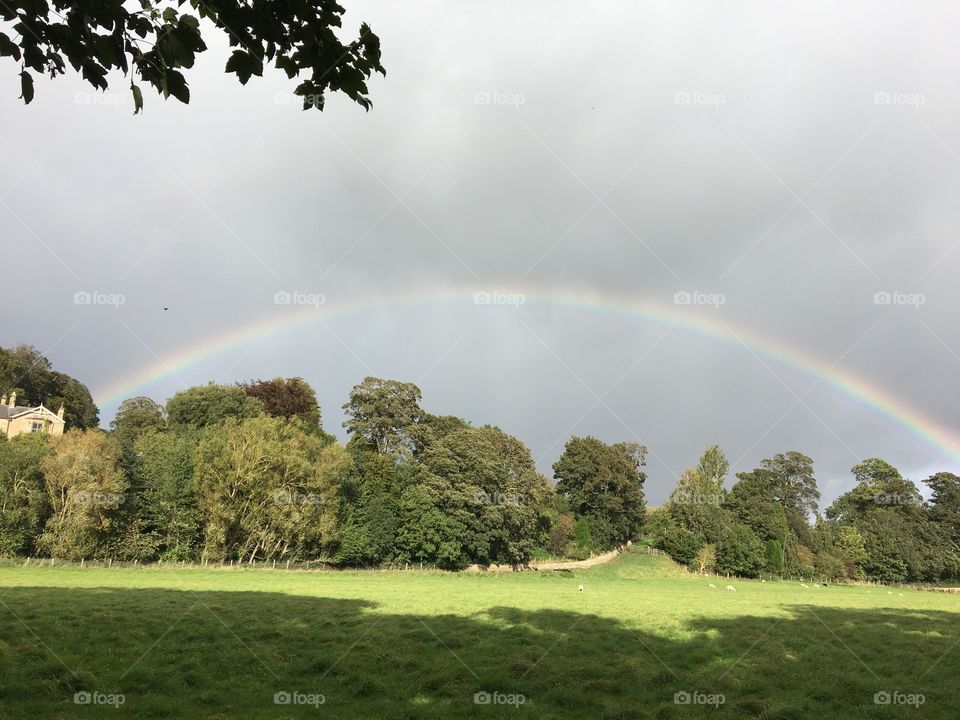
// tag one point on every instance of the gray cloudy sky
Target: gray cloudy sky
(792, 160)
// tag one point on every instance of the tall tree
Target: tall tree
(85, 490)
(23, 503)
(753, 501)
(267, 490)
(695, 504)
(795, 488)
(205, 405)
(167, 504)
(487, 481)
(713, 467)
(386, 414)
(155, 42)
(287, 398)
(945, 503)
(604, 484)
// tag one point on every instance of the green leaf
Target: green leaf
(137, 98)
(26, 87)
(176, 85)
(8, 47)
(244, 64)
(169, 14)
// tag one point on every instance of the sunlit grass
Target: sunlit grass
(215, 643)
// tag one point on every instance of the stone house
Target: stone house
(15, 420)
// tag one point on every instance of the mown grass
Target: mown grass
(219, 644)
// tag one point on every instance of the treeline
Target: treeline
(769, 522)
(247, 473)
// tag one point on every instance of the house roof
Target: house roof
(9, 413)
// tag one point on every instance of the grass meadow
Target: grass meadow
(643, 639)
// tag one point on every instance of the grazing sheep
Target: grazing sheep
(731, 588)
(712, 586)
(762, 580)
(804, 585)
(580, 589)
(816, 585)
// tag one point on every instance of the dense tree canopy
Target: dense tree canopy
(286, 398)
(386, 414)
(155, 42)
(604, 484)
(206, 405)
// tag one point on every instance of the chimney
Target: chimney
(13, 399)
(3, 400)
(60, 412)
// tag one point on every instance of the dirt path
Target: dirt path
(570, 565)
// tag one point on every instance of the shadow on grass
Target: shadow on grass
(220, 655)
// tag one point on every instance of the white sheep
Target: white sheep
(731, 588)
(580, 589)
(804, 585)
(712, 586)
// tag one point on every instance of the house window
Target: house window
(36, 427)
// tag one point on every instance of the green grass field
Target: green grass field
(197, 643)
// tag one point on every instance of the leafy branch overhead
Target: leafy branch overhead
(154, 43)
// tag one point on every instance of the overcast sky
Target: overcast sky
(781, 164)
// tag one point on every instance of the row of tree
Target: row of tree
(247, 473)
(769, 521)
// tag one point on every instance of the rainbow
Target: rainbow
(945, 439)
